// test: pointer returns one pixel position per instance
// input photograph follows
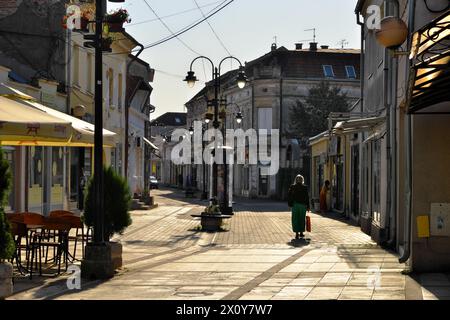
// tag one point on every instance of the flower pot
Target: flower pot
(210, 222)
(115, 26)
(6, 284)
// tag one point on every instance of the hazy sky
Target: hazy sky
(246, 28)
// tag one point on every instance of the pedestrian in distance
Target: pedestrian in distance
(323, 197)
(298, 200)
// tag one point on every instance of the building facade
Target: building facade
(277, 81)
(404, 199)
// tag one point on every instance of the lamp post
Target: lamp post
(229, 209)
(241, 80)
(98, 257)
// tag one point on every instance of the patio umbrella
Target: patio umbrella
(80, 133)
(22, 125)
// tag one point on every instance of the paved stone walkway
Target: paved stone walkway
(167, 257)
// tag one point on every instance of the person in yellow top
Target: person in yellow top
(323, 196)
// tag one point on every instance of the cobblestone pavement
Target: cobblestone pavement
(167, 257)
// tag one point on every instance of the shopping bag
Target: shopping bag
(308, 223)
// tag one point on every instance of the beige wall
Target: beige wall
(431, 184)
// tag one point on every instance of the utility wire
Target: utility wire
(186, 29)
(173, 14)
(212, 29)
(170, 30)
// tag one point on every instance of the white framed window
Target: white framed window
(328, 71)
(351, 73)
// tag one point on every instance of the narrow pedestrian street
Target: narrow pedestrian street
(167, 257)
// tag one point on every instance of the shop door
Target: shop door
(355, 180)
(36, 187)
(263, 184)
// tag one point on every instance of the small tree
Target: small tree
(309, 118)
(6, 240)
(117, 203)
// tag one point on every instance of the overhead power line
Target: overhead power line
(212, 29)
(170, 30)
(191, 26)
(174, 14)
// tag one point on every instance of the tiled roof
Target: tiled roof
(308, 64)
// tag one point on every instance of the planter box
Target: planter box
(211, 223)
(6, 284)
(116, 254)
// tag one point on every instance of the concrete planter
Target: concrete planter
(116, 254)
(6, 276)
(211, 222)
(101, 260)
(149, 201)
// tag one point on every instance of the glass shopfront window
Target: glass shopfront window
(9, 154)
(35, 179)
(57, 178)
(376, 174)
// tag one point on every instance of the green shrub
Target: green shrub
(6, 240)
(117, 203)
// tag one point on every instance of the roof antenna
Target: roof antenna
(343, 42)
(314, 33)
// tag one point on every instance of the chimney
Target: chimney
(324, 47)
(298, 46)
(273, 47)
(313, 46)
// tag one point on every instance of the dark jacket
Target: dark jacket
(298, 193)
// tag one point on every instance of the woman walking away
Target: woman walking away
(298, 199)
(323, 197)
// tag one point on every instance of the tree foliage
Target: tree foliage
(309, 118)
(117, 203)
(6, 239)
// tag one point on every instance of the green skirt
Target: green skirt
(298, 217)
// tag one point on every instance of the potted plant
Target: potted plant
(117, 203)
(211, 218)
(116, 19)
(146, 198)
(6, 240)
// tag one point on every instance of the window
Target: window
(265, 118)
(328, 71)
(351, 73)
(76, 65)
(119, 92)
(89, 72)
(111, 86)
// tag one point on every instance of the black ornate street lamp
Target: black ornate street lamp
(241, 81)
(98, 262)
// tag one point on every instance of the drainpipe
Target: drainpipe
(362, 71)
(387, 105)
(407, 246)
(127, 105)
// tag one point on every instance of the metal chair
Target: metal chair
(61, 228)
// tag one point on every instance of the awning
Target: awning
(22, 125)
(430, 72)
(83, 132)
(150, 143)
(79, 134)
(357, 125)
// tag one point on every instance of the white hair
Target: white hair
(299, 179)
